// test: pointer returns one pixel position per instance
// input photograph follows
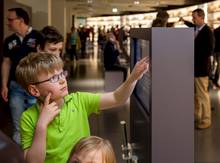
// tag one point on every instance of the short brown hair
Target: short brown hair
(49, 34)
(91, 143)
(31, 66)
(21, 13)
(200, 12)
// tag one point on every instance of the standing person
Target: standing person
(17, 46)
(161, 19)
(52, 41)
(51, 127)
(217, 56)
(73, 42)
(92, 149)
(83, 37)
(204, 46)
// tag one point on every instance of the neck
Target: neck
(23, 30)
(201, 24)
(59, 102)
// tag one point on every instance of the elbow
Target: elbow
(122, 101)
(33, 159)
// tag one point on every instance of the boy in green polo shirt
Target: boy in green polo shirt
(51, 127)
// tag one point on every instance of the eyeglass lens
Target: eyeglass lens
(56, 78)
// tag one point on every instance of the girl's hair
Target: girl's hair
(91, 143)
(35, 64)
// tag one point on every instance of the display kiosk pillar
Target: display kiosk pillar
(162, 105)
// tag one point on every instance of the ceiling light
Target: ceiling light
(114, 10)
(89, 1)
(136, 2)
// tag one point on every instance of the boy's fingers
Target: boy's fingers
(145, 59)
(47, 99)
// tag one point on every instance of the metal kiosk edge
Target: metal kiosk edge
(162, 104)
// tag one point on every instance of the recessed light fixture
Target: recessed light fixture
(114, 10)
(89, 1)
(136, 2)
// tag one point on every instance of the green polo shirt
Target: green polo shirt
(66, 129)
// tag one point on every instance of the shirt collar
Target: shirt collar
(67, 99)
(200, 28)
(28, 31)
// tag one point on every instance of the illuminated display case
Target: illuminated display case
(108, 22)
(212, 11)
(214, 14)
(185, 13)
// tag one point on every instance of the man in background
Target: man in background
(16, 46)
(203, 50)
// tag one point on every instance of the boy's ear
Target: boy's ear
(33, 90)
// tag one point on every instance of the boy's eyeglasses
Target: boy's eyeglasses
(54, 78)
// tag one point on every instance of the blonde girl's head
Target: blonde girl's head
(92, 149)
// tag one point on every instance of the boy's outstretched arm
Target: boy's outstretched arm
(123, 92)
(37, 151)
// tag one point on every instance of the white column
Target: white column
(58, 15)
(68, 18)
(39, 16)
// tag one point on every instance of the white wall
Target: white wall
(58, 15)
(68, 18)
(39, 12)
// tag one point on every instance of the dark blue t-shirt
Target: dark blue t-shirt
(16, 50)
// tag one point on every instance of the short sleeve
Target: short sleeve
(90, 101)
(27, 128)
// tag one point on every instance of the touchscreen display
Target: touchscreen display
(141, 48)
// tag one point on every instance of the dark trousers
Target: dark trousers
(73, 52)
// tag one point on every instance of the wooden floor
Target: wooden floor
(87, 74)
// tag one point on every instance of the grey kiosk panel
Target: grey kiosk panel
(171, 105)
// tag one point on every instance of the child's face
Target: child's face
(53, 48)
(57, 89)
(88, 157)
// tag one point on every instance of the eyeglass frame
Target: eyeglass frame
(61, 75)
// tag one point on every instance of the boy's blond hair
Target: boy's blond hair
(91, 143)
(35, 64)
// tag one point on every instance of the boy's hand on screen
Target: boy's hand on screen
(48, 110)
(140, 68)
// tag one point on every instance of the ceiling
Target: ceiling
(89, 8)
